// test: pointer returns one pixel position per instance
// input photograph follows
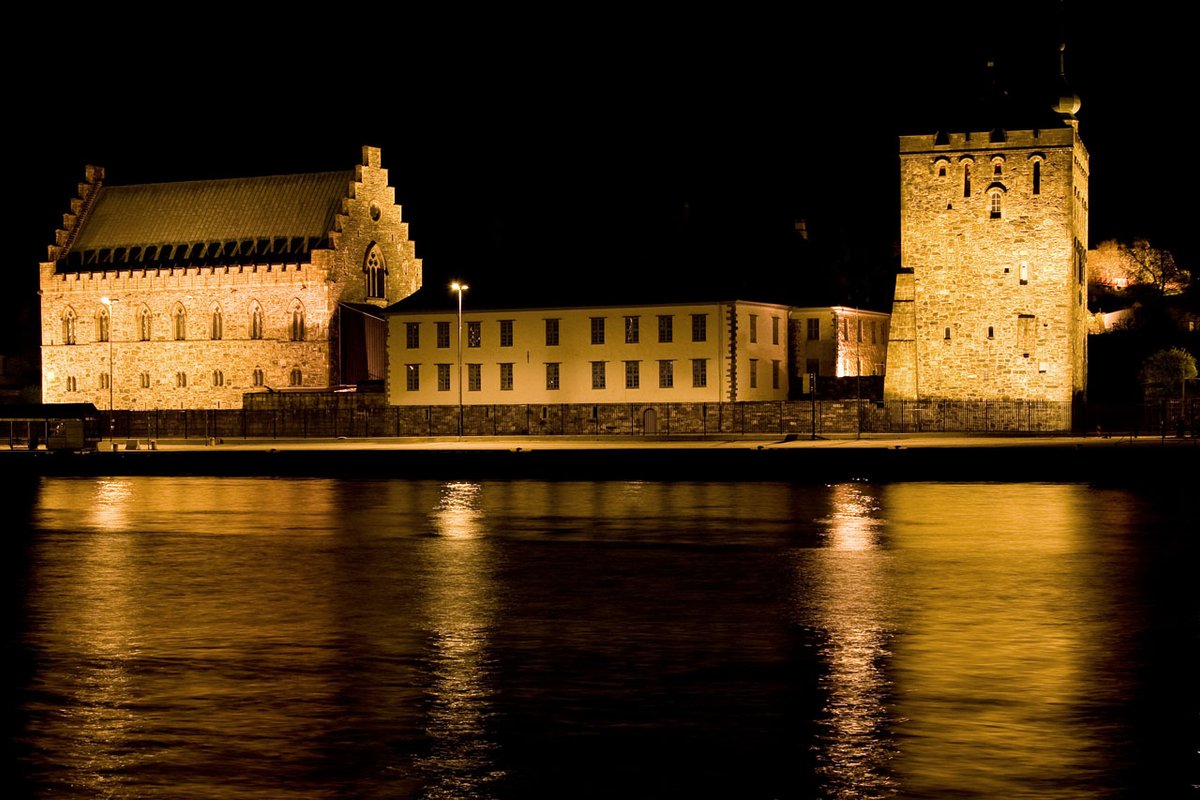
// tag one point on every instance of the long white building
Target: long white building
(687, 352)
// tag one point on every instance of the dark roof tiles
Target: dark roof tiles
(234, 209)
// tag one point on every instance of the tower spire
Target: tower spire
(1067, 105)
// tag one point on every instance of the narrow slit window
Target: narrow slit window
(1037, 177)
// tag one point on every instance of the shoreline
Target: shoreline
(942, 457)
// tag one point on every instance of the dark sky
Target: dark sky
(602, 152)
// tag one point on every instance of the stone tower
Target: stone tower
(990, 300)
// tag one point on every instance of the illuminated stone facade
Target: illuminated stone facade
(202, 291)
(990, 301)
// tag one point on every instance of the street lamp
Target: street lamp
(459, 287)
(112, 423)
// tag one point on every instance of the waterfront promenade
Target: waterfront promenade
(833, 458)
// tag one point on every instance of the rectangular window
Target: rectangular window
(666, 325)
(597, 374)
(551, 333)
(506, 333)
(774, 330)
(845, 329)
(474, 377)
(699, 327)
(474, 334)
(699, 372)
(443, 334)
(754, 373)
(775, 374)
(552, 375)
(597, 330)
(814, 330)
(666, 374)
(443, 371)
(631, 330)
(506, 377)
(859, 321)
(412, 377)
(1026, 333)
(412, 335)
(753, 328)
(632, 374)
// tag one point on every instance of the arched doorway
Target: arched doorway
(649, 421)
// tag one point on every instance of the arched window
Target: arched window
(297, 322)
(104, 379)
(68, 326)
(1037, 177)
(375, 268)
(966, 179)
(218, 378)
(144, 326)
(256, 321)
(145, 379)
(181, 380)
(994, 205)
(218, 323)
(1023, 272)
(72, 384)
(102, 325)
(179, 324)
(258, 378)
(296, 378)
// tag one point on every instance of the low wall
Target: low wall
(350, 415)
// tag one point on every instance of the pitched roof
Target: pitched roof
(230, 210)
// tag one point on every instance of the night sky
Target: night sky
(604, 154)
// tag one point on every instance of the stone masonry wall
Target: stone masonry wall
(997, 298)
(218, 372)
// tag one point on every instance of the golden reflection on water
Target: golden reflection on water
(460, 611)
(1004, 624)
(157, 646)
(852, 606)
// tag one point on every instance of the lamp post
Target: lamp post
(112, 423)
(459, 287)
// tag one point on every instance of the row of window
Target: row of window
(1026, 331)
(257, 378)
(997, 172)
(216, 327)
(813, 329)
(633, 375)
(598, 331)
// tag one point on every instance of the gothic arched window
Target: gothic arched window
(179, 323)
(218, 323)
(375, 268)
(102, 325)
(68, 326)
(144, 320)
(256, 321)
(298, 322)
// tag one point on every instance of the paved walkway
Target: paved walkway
(529, 443)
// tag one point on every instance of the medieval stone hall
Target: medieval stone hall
(991, 298)
(189, 295)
